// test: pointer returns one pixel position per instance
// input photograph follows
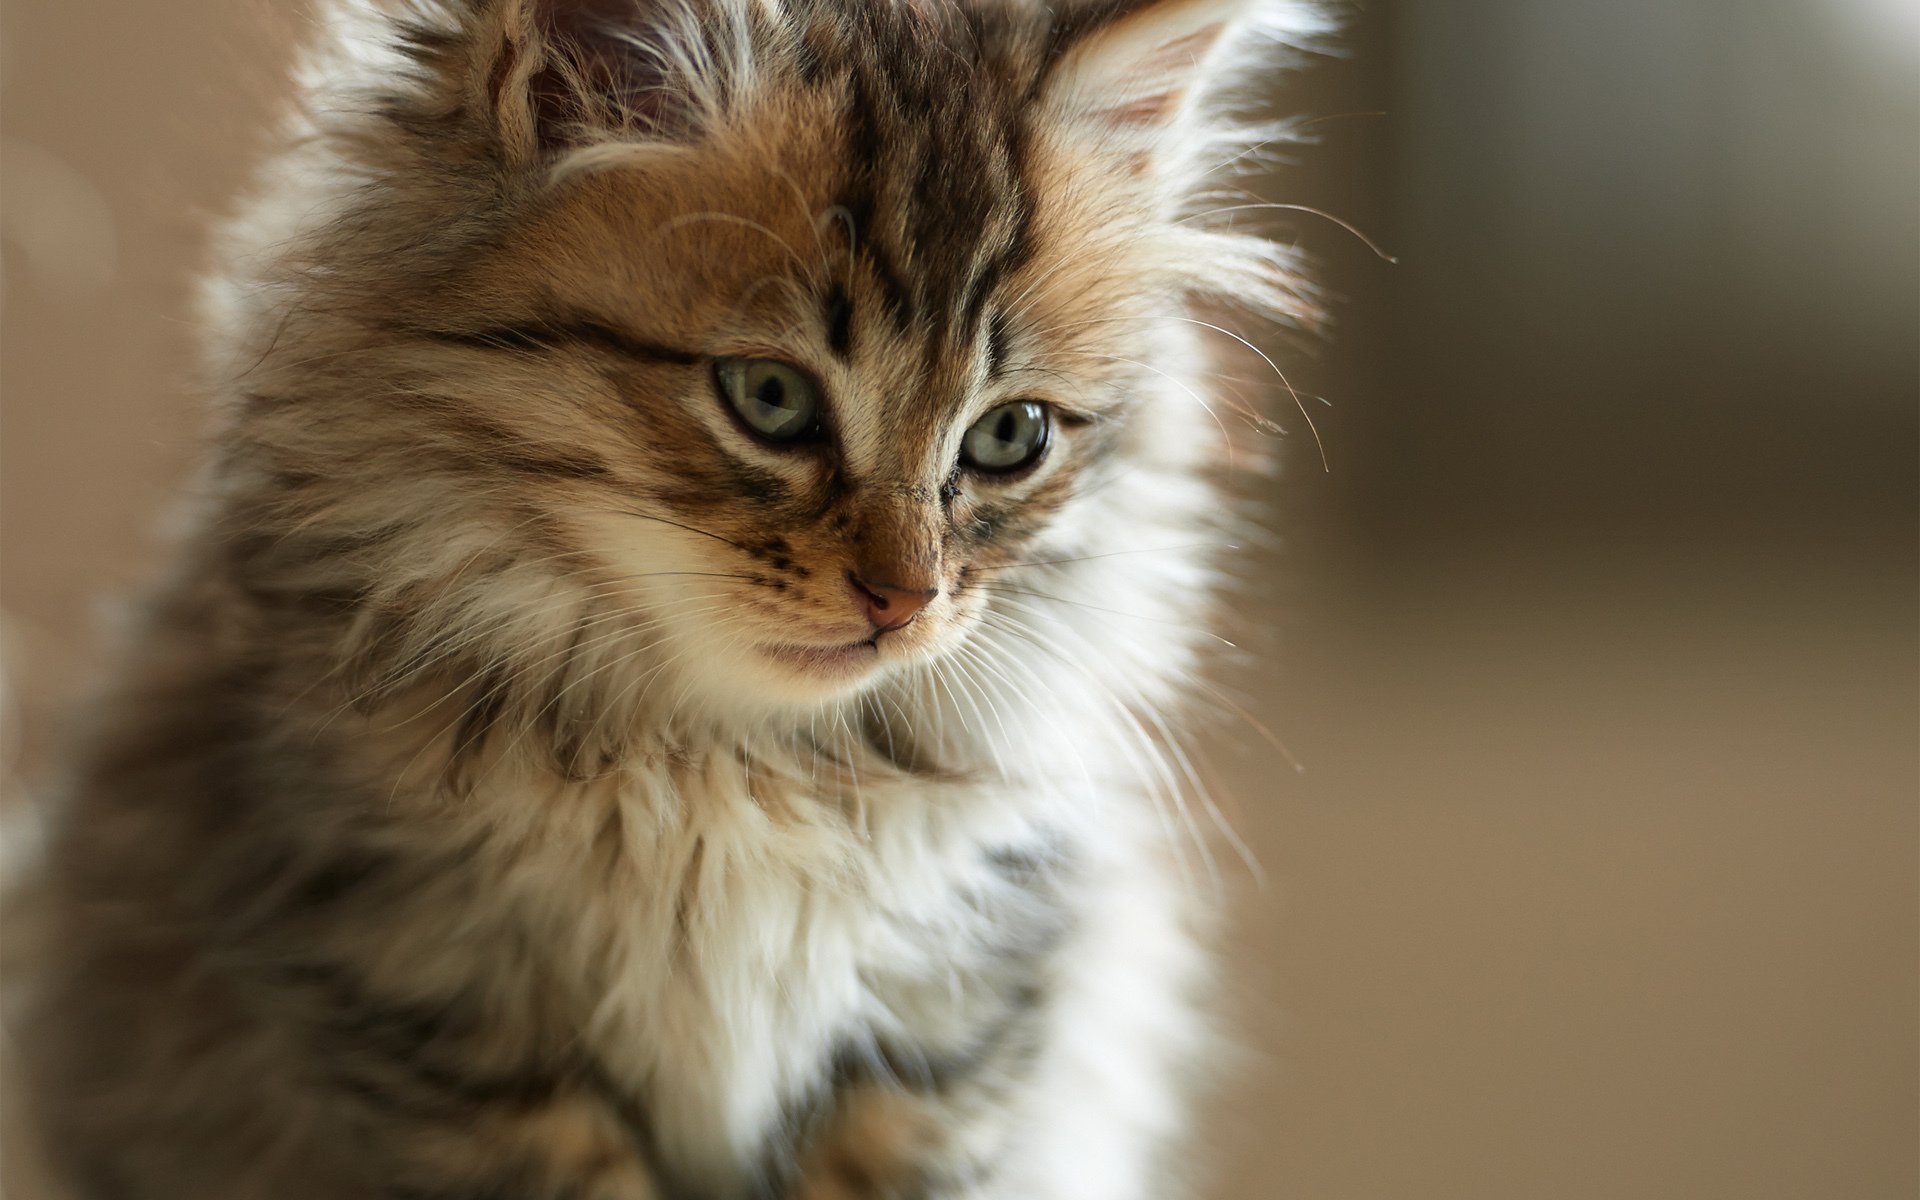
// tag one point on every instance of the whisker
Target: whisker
(1151, 770)
(1366, 241)
(1056, 562)
(1298, 403)
(1226, 439)
(1003, 589)
(682, 525)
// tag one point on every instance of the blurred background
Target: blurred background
(1596, 641)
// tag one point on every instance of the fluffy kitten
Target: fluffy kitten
(668, 692)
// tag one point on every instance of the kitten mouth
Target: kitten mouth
(843, 660)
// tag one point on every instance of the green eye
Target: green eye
(1006, 439)
(777, 401)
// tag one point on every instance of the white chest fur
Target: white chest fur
(742, 923)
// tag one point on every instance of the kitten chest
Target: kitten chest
(775, 939)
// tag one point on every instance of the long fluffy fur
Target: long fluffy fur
(443, 835)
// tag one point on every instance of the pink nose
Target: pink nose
(888, 606)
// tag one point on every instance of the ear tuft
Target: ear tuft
(555, 75)
(1138, 69)
(608, 65)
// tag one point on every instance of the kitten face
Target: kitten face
(801, 567)
(736, 354)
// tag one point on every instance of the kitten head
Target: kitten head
(747, 353)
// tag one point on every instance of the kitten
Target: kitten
(670, 690)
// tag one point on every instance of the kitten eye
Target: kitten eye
(1007, 438)
(776, 401)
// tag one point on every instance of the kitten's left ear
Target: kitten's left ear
(1130, 69)
(547, 75)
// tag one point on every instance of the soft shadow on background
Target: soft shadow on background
(1596, 642)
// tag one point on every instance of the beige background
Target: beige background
(1597, 643)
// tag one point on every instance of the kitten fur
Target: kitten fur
(457, 828)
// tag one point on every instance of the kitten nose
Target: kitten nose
(889, 606)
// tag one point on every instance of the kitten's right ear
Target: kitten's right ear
(1125, 71)
(544, 76)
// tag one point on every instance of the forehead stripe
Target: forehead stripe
(839, 322)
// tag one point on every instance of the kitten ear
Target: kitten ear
(1135, 67)
(563, 73)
